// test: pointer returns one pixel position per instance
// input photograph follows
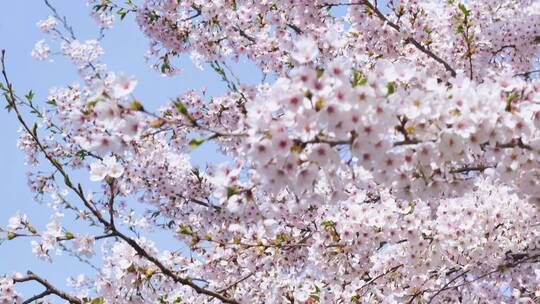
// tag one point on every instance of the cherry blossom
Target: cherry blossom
(109, 166)
(47, 25)
(389, 155)
(41, 50)
(84, 245)
(8, 293)
(306, 50)
(124, 86)
(17, 222)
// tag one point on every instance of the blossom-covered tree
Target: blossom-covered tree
(390, 155)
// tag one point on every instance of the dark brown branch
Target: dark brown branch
(105, 236)
(446, 285)
(502, 48)
(50, 289)
(37, 297)
(515, 143)
(198, 12)
(468, 169)
(169, 273)
(237, 282)
(331, 142)
(402, 129)
(245, 35)
(432, 55)
(501, 268)
(527, 74)
(111, 203)
(380, 276)
(407, 142)
(411, 40)
(295, 28)
(199, 202)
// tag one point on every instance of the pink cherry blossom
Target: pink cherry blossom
(124, 86)
(47, 25)
(388, 155)
(41, 50)
(109, 166)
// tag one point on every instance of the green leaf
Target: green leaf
(56, 163)
(8, 108)
(195, 143)
(363, 81)
(319, 104)
(282, 237)
(31, 229)
(98, 7)
(165, 66)
(328, 224)
(183, 110)
(320, 72)
(178, 300)
(67, 181)
(315, 297)
(34, 129)
(185, 229)
(355, 77)
(513, 97)
(97, 301)
(358, 78)
(122, 13)
(93, 102)
(81, 154)
(464, 10)
(391, 86)
(30, 95)
(231, 191)
(136, 105)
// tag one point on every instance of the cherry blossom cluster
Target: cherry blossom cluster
(403, 127)
(476, 35)
(8, 293)
(390, 155)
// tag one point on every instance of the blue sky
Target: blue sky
(124, 47)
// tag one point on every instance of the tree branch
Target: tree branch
(411, 40)
(50, 289)
(501, 268)
(527, 74)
